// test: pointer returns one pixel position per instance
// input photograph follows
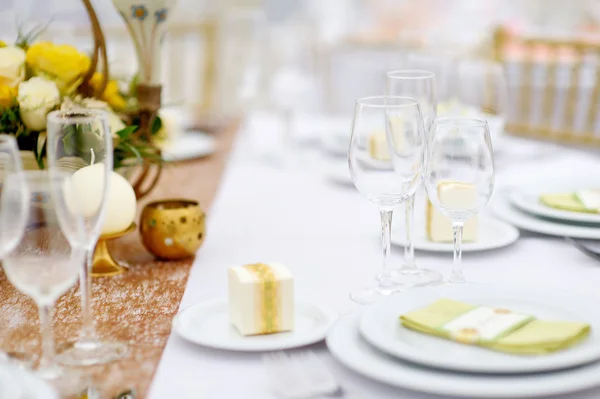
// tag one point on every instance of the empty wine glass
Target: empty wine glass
(10, 164)
(79, 141)
(459, 175)
(45, 260)
(385, 157)
(418, 84)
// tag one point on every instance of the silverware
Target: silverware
(300, 376)
(588, 247)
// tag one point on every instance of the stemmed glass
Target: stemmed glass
(459, 175)
(10, 164)
(45, 260)
(418, 84)
(385, 157)
(79, 141)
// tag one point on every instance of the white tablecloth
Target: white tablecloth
(328, 235)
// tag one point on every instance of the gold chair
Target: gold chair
(554, 86)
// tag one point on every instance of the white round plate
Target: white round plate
(346, 345)
(381, 327)
(493, 234)
(189, 146)
(526, 221)
(17, 383)
(529, 201)
(207, 324)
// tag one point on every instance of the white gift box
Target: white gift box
(261, 298)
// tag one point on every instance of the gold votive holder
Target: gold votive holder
(172, 228)
(104, 265)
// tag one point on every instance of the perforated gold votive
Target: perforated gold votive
(172, 229)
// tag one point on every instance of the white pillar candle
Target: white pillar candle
(120, 203)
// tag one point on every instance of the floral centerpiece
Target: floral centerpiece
(38, 77)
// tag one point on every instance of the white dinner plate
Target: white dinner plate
(347, 346)
(190, 145)
(526, 221)
(207, 324)
(16, 383)
(381, 327)
(529, 201)
(493, 234)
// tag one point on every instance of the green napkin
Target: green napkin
(525, 335)
(565, 202)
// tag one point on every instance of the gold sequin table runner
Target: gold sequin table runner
(136, 307)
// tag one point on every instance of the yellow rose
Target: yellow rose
(7, 95)
(12, 65)
(63, 64)
(2, 44)
(111, 93)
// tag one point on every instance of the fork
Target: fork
(300, 376)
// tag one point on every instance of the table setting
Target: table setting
(144, 258)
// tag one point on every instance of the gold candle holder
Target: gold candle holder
(104, 265)
(173, 228)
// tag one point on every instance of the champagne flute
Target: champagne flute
(45, 260)
(459, 175)
(79, 141)
(419, 84)
(385, 158)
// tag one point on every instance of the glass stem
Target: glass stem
(409, 247)
(385, 278)
(88, 330)
(47, 358)
(457, 275)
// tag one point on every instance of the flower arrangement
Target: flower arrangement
(38, 77)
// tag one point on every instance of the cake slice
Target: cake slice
(453, 195)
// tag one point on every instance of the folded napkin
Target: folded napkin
(498, 329)
(569, 202)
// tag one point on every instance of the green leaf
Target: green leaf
(134, 150)
(156, 125)
(126, 132)
(68, 140)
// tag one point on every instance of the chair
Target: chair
(553, 86)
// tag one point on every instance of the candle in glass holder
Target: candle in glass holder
(120, 202)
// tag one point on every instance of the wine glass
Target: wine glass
(290, 80)
(10, 164)
(385, 158)
(45, 260)
(459, 175)
(79, 141)
(419, 84)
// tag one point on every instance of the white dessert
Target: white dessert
(261, 298)
(378, 147)
(454, 196)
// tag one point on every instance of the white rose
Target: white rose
(36, 98)
(115, 123)
(12, 66)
